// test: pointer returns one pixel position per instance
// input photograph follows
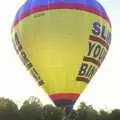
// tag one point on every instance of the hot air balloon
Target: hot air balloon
(62, 43)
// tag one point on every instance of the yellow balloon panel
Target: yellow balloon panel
(56, 47)
(60, 49)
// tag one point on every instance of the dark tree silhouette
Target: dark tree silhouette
(8, 110)
(85, 112)
(71, 116)
(31, 109)
(52, 113)
(115, 115)
(103, 115)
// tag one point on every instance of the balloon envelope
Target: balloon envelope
(62, 43)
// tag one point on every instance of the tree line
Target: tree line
(32, 109)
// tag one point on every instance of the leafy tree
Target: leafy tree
(52, 113)
(115, 115)
(71, 115)
(31, 109)
(103, 115)
(85, 112)
(8, 109)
